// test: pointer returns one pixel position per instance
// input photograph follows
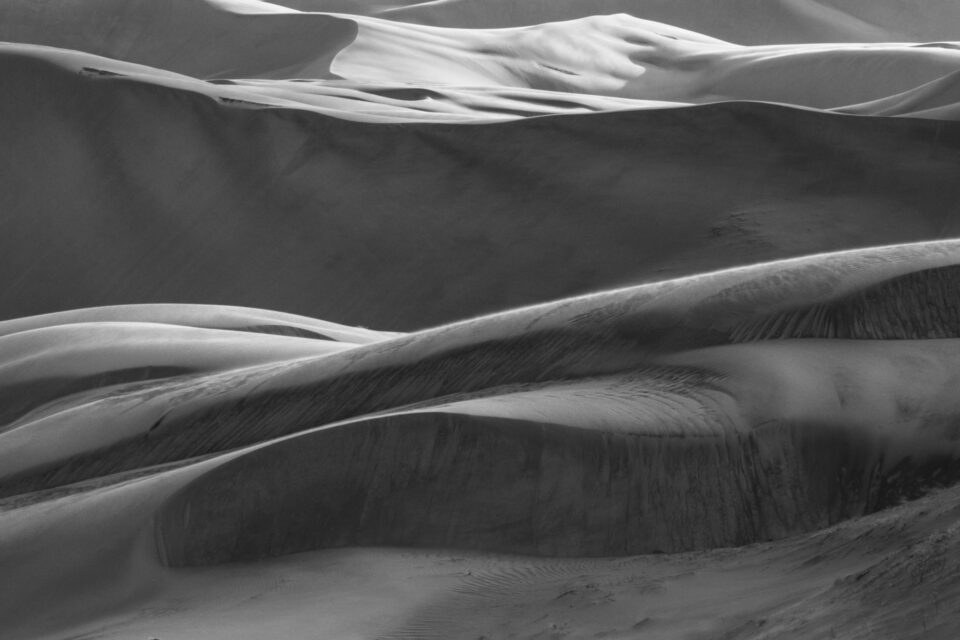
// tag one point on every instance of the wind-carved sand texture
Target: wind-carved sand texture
(665, 303)
(718, 410)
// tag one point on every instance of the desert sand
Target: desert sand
(479, 319)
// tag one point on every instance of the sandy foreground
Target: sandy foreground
(665, 326)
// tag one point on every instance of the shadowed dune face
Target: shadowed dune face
(717, 410)
(451, 481)
(201, 201)
(717, 379)
(253, 189)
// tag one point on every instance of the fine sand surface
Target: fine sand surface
(738, 407)
(664, 297)
(154, 190)
(280, 157)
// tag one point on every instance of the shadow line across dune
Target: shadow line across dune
(716, 410)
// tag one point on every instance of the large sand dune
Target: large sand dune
(722, 409)
(745, 21)
(159, 187)
(672, 298)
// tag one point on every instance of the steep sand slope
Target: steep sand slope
(726, 408)
(197, 37)
(780, 376)
(892, 575)
(73, 381)
(753, 431)
(153, 192)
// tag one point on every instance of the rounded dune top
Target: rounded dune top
(686, 386)
(741, 21)
(277, 56)
(720, 409)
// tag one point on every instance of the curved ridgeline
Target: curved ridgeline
(518, 212)
(686, 459)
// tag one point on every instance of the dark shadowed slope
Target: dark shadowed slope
(778, 440)
(153, 192)
(716, 410)
(723, 409)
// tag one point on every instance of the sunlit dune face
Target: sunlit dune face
(600, 55)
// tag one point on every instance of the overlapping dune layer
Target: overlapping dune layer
(277, 157)
(725, 409)
(666, 298)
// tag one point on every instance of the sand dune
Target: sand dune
(726, 408)
(671, 292)
(603, 55)
(830, 582)
(201, 317)
(204, 199)
(205, 38)
(624, 56)
(659, 349)
(743, 21)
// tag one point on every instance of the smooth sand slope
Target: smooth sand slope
(722, 409)
(150, 189)
(714, 394)
(624, 56)
(744, 21)
(281, 157)
(604, 55)
(938, 99)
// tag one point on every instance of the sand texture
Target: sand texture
(479, 319)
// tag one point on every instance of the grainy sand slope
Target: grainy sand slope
(723, 409)
(672, 299)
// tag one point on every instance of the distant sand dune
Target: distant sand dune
(675, 292)
(743, 21)
(613, 55)
(181, 195)
(204, 38)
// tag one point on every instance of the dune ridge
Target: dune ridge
(821, 428)
(602, 55)
(672, 297)
(304, 200)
